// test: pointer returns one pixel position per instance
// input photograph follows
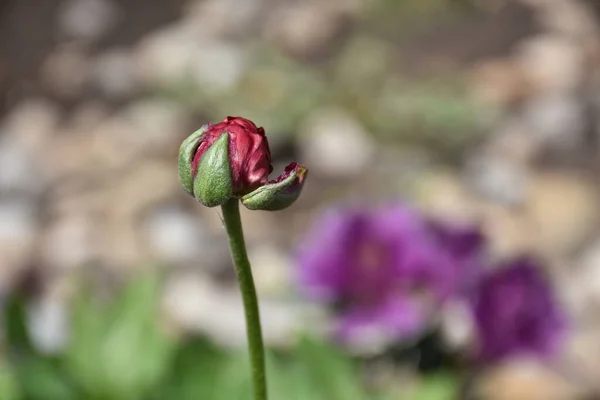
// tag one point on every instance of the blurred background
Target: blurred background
(485, 111)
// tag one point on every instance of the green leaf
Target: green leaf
(44, 379)
(16, 330)
(441, 386)
(9, 385)
(329, 371)
(233, 380)
(194, 372)
(119, 352)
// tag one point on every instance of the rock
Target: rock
(66, 71)
(32, 122)
(144, 185)
(163, 57)
(158, 124)
(440, 193)
(551, 63)
(272, 269)
(25, 134)
(571, 19)
(198, 304)
(582, 357)
(499, 82)
(525, 379)
(335, 145)
(48, 323)
(305, 28)
(217, 67)
(20, 171)
(564, 211)
(222, 18)
(176, 236)
(114, 73)
(456, 323)
(581, 282)
(18, 233)
(510, 231)
(557, 121)
(71, 241)
(87, 19)
(175, 58)
(498, 178)
(111, 144)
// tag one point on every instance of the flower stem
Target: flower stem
(233, 225)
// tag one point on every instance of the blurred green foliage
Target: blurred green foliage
(118, 351)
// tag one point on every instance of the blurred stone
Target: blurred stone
(457, 325)
(156, 124)
(114, 73)
(305, 28)
(18, 233)
(71, 241)
(498, 178)
(68, 156)
(557, 121)
(222, 18)
(513, 140)
(582, 359)
(551, 63)
(573, 19)
(525, 380)
(499, 82)
(87, 19)
(510, 230)
(48, 323)
(176, 236)
(66, 71)
(146, 184)
(20, 170)
(272, 270)
(198, 304)
(564, 211)
(121, 246)
(163, 57)
(25, 133)
(111, 143)
(335, 145)
(441, 193)
(175, 58)
(217, 66)
(32, 122)
(582, 283)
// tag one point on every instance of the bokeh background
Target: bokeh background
(485, 111)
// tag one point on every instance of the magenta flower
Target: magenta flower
(385, 271)
(516, 313)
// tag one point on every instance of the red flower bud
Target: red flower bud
(249, 155)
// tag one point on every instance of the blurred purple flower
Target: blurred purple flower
(516, 313)
(385, 271)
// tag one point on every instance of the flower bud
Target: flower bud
(249, 155)
(232, 159)
(279, 193)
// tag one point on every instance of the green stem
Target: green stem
(233, 225)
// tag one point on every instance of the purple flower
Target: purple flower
(385, 271)
(516, 313)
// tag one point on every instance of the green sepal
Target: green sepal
(186, 156)
(278, 195)
(212, 184)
